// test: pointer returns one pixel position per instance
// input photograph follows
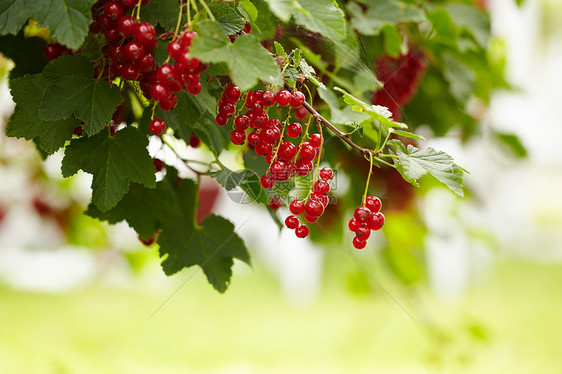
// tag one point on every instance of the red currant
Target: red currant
(195, 88)
(297, 99)
(373, 203)
(146, 34)
(263, 148)
(321, 187)
(294, 130)
(221, 120)
(232, 93)
(313, 208)
(157, 126)
(358, 243)
(283, 98)
(307, 152)
(113, 10)
(315, 140)
(292, 222)
(253, 137)
(301, 231)
(363, 232)
(126, 26)
(327, 174)
(353, 224)
(169, 103)
(267, 181)
(238, 137)
(362, 214)
(376, 222)
(287, 151)
(296, 207)
(268, 98)
(160, 92)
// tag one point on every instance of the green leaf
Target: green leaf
(283, 9)
(114, 162)
(250, 9)
(26, 122)
(381, 13)
(513, 144)
(67, 20)
(392, 41)
(246, 58)
(379, 113)
(230, 179)
(415, 163)
(247, 180)
(163, 12)
(460, 77)
(322, 16)
(471, 20)
(407, 134)
(71, 88)
(280, 51)
(170, 208)
(231, 22)
(26, 53)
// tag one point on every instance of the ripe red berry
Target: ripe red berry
(292, 222)
(274, 122)
(253, 138)
(133, 51)
(130, 72)
(275, 202)
(242, 122)
(313, 208)
(353, 224)
(53, 51)
(194, 89)
(267, 181)
(113, 10)
(227, 109)
(315, 140)
(373, 203)
(307, 152)
(126, 26)
(297, 99)
(157, 126)
(294, 130)
(238, 137)
(146, 34)
(147, 63)
(310, 219)
(247, 28)
(287, 151)
(158, 164)
(270, 135)
(301, 231)
(321, 187)
(303, 168)
(194, 141)
(358, 243)
(175, 49)
(322, 199)
(326, 173)
(296, 207)
(128, 3)
(376, 221)
(268, 98)
(160, 92)
(362, 214)
(232, 93)
(301, 113)
(169, 103)
(263, 148)
(362, 232)
(259, 120)
(283, 98)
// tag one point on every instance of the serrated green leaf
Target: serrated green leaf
(460, 77)
(170, 208)
(377, 112)
(322, 16)
(283, 9)
(162, 12)
(114, 162)
(26, 122)
(230, 179)
(471, 20)
(246, 58)
(231, 22)
(71, 88)
(67, 20)
(250, 9)
(407, 134)
(247, 180)
(392, 41)
(279, 50)
(381, 13)
(415, 163)
(26, 53)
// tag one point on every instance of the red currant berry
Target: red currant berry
(362, 214)
(175, 49)
(301, 231)
(194, 89)
(275, 202)
(158, 164)
(259, 120)
(313, 208)
(157, 126)
(362, 232)
(301, 113)
(126, 26)
(353, 224)
(253, 138)
(358, 243)
(326, 173)
(169, 103)
(321, 187)
(274, 122)
(263, 148)
(160, 92)
(232, 93)
(146, 34)
(238, 137)
(111, 34)
(268, 98)
(95, 26)
(146, 64)
(294, 130)
(310, 219)
(373, 203)
(283, 98)
(307, 152)
(303, 168)
(376, 222)
(247, 28)
(53, 51)
(192, 78)
(322, 199)
(128, 3)
(315, 140)
(297, 99)
(188, 36)
(227, 109)
(221, 120)
(113, 10)
(134, 51)
(194, 141)
(267, 181)
(296, 207)
(292, 222)
(242, 122)
(287, 151)
(130, 72)
(270, 135)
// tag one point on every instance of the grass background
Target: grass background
(512, 323)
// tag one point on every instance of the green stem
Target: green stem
(207, 9)
(368, 179)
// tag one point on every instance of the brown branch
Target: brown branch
(343, 136)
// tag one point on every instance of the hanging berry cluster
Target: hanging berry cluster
(366, 218)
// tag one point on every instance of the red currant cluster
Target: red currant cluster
(366, 218)
(312, 207)
(400, 77)
(55, 50)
